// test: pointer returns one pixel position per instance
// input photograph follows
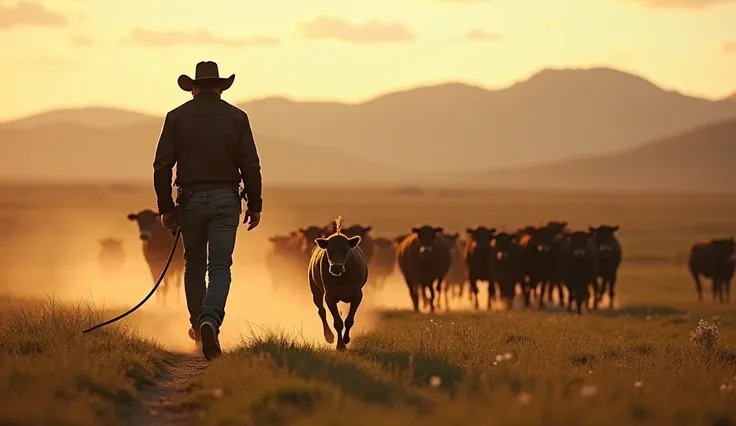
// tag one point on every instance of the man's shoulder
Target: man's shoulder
(180, 108)
(233, 109)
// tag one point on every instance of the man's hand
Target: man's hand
(252, 219)
(170, 221)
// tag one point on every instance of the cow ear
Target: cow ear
(367, 229)
(415, 230)
(302, 230)
(468, 230)
(439, 229)
(132, 216)
(321, 242)
(615, 228)
(591, 229)
(352, 242)
(492, 230)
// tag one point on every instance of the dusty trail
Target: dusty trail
(157, 402)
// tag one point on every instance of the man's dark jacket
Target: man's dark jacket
(209, 141)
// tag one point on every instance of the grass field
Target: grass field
(633, 365)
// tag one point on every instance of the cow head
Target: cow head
(111, 244)
(427, 235)
(147, 221)
(726, 246)
(556, 227)
(543, 239)
(503, 245)
(579, 243)
(337, 247)
(604, 237)
(480, 237)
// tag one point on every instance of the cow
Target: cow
(424, 257)
(304, 240)
(716, 260)
(383, 263)
(456, 277)
(111, 257)
(507, 268)
(555, 284)
(541, 256)
(282, 260)
(157, 242)
(609, 260)
(337, 272)
(478, 261)
(580, 266)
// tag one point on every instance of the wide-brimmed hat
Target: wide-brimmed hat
(205, 71)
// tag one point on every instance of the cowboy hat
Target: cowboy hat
(205, 71)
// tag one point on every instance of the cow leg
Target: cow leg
(412, 293)
(430, 287)
(474, 291)
(592, 296)
(318, 297)
(491, 293)
(611, 289)
(337, 321)
(727, 285)
(698, 284)
(350, 319)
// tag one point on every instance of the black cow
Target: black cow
(715, 259)
(424, 257)
(337, 273)
(157, 242)
(507, 268)
(541, 249)
(580, 266)
(478, 261)
(609, 260)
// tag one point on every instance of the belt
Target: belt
(203, 186)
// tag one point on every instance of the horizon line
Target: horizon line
(382, 94)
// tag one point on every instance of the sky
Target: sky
(128, 54)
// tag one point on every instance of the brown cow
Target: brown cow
(111, 257)
(478, 261)
(157, 242)
(424, 257)
(383, 263)
(716, 260)
(337, 272)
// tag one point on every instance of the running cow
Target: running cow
(157, 242)
(580, 263)
(506, 265)
(424, 257)
(716, 260)
(337, 273)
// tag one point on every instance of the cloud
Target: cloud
(326, 27)
(27, 13)
(477, 34)
(81, 40)
(199, 37)
(681, 4)
(729, 47)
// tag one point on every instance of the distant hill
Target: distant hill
(90, 116)
(556, 114)
(75, 152)
(701, 160)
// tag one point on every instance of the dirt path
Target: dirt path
(156, 402)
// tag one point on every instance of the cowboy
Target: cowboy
(212, 146)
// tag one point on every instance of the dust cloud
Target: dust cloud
(60, 260)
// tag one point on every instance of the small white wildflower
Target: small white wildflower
(499, 358)
(524, 398)
(638, 384)
(648, 317)
(590, 371)
(495, 363)
(435, 381)
(508, 356)
(218, 393)
(452, 323)
(588, 390)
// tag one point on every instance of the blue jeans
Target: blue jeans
(209, 218)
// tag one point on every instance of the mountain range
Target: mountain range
(572, 128)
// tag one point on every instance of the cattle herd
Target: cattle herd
(542, 264)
